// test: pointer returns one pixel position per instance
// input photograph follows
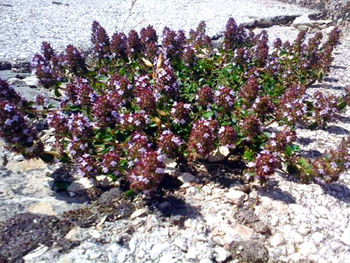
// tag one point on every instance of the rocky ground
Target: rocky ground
(207, 215)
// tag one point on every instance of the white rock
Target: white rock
(181, 243)
(346, 237)
(158, 249)
(94, 233)
(186, 177)
(236, 197)
(302, 20)
(82, 184)
(221, 254)
(205, 260)
(192, 253)
(36, 253)
(31, 81)
(307, 248)
(139, 212)
(317, 238)
(277, 240)
(121, 256)
(219, 154)
(73, 234)
(18, 158)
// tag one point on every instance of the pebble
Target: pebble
(139, 212)
(346, 237)
(221, 254)
(236, 197)
(277, 240)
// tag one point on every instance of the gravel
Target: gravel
(25, 24)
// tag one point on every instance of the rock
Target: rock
(346, 237)
(181, 243)
(221, 254)
(104, 181)
(5, 65)
(170, 166)
(158, 249)
(277, 240)
(74, 234)
(243, 231)
(36, 253)
(186, 177)
(303, 20)
(219, 154)
(26, 165)
(31, 81)
(18, 158)
(80, 185)
(94, 233)
(44, 208)
(192, 253)
(139, 212)
(60, 2)
(317, 238)
(236, 197)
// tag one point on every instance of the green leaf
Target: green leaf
(249, 155)
(57, 92)
(342, 105)
(291, 149)
(208, 114)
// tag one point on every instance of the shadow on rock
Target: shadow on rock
(334, 129)
(337, 190)
(249, 251)
(174, 208)
(275, 193)
(343, 119)
(24, 232)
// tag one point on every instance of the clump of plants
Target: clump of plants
(138, 98)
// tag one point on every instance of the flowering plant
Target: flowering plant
(134, 102)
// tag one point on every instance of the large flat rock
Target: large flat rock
(25, 24)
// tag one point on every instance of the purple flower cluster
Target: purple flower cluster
(144, 94)
(203, 138)
(119, 46)
(134, 45)
(134, 121)
(100, 40)
(167, 82)
(205, 96)
(250, 91)
(292, 107)
(265, 164)
(236, 36)
(110, 162)
(170, 144)
(147, 173)
(251, 126)
(180, 113)
(16, 130)
(173, 43)
(149, 40)
(225, 98)
(325, 107)
(279, 142)
(227, 136)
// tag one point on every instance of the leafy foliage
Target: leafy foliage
(136, 102)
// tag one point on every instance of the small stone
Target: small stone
(317, 238)
(31, 81)
(73, 234)
(164, 204)
(138, 213)
(181, 243)
(205, 260)
(158, 249)
(18, 158)
(26, 165)
(274, 220)
(94, 233)
(82, 184)
(94, 255)
(307, 248)
(243, 231)
(192, 253)
(169, 163)
(36, 253)
(104, 180)
(221, 254)
(236, 197)
(219, 154)
(346, 237)
(44, 208)
(186, 177)
(121, 257)
(304, 229)
(277, 240)
(185, 185)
